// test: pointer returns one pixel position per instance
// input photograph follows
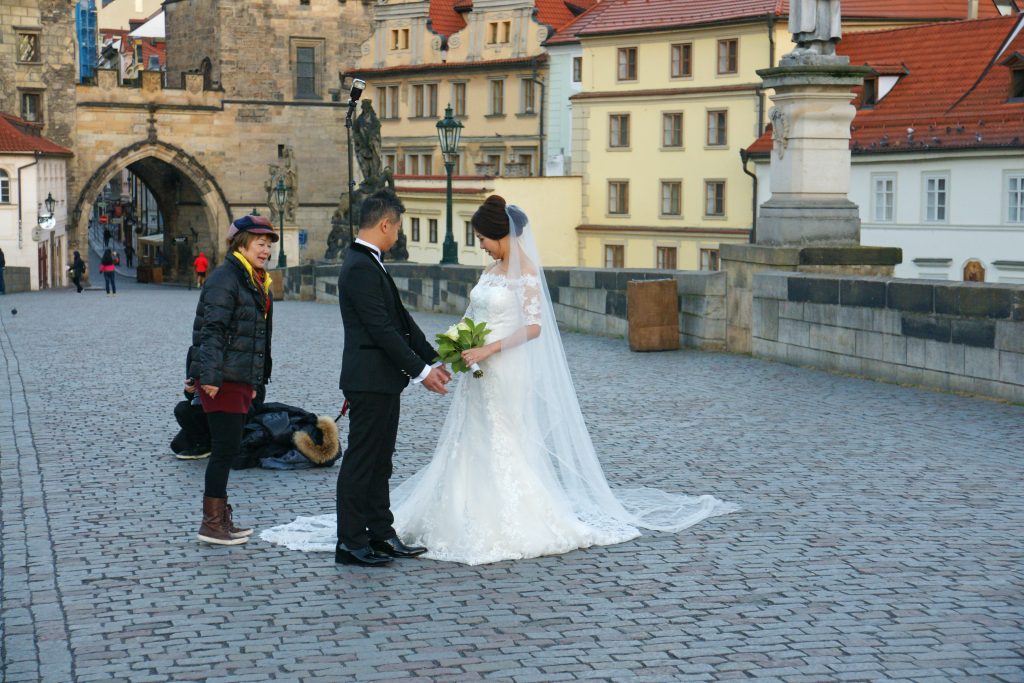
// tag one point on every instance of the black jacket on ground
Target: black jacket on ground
(230, 335)
(384, 348)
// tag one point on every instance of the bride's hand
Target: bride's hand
(477, 355)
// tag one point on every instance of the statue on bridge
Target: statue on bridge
(816, 28)
(366, 143)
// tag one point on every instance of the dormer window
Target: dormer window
(870, 98)
(880, 83)
(1015, 63)
(1005, 7)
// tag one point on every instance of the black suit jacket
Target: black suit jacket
(384, 348)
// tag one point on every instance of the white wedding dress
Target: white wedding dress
(514, 474)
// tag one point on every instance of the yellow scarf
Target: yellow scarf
(252, 275)
(264, 285)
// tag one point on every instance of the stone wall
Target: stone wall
(585, 300)
(954, 336)
(54, 76)
(17, 279)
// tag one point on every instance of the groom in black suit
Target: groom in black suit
(384, 350)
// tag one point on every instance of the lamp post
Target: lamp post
(448, 132)
(50, 203)
(280, 202)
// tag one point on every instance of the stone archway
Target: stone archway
(192, 202)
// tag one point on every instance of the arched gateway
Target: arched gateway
(194, 209)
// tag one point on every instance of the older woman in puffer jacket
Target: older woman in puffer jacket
(229, 358)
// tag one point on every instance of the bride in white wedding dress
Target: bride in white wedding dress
(514, 474)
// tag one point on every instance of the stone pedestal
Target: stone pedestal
(741, 261)
(810, 164)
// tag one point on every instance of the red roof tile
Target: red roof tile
(21, 136)
(570, 32)
(629, 16)
(444, 19)
(446, 16)
(954, 95)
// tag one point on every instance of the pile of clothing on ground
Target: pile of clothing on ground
(277, 436)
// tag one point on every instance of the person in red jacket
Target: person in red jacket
(202, 265)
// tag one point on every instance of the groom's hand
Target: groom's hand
(436, 380)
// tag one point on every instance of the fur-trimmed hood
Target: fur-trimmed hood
(326, 450)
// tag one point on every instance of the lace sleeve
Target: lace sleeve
(530, 299)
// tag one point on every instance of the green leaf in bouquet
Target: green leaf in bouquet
(465, 339)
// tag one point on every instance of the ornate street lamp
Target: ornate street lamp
(280, 202)
(50, 203)
(448, 132)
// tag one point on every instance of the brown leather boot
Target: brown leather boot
(235, 531)
(215, 523)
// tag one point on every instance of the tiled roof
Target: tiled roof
(450, 66)
(628, 16)
(444, 19)
(570, 32)
(446, 16)
(20, 136)
(954, 94)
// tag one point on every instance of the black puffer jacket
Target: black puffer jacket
(230, 335)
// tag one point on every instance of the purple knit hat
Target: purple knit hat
(259, 225)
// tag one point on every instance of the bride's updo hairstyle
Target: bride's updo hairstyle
(492, 218)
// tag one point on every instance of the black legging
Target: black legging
(225, 443)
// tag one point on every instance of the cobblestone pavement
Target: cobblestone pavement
(880, 538)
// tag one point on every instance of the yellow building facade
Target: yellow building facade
(658, 127)
(486, 60)
(552, 205)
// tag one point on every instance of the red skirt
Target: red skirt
(233, 397)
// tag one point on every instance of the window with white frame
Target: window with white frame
(577, 69)
(387, 101)
(424, 100)
(671, 197)
(432, 230)
(682, 60)
(419, 164)
(1015, 198)
(618, 197)
(714, 198)
(414, 228)
(727, 51)
(627, 63)
(618, 130)
(884, 198)
(672, 129)
(497, 98)
(528, 96)
(718, 127)
(459, 99)
(470, 235)
(614, 255)
(936, 198)
(5, 187)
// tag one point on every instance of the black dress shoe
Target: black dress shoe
(364, 556)
(394, 547)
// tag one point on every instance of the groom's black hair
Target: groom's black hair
(377, 206)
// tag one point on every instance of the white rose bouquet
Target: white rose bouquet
(461, 336)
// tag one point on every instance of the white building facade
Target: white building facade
(950, 212)
(26, 180)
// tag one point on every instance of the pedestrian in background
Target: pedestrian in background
(77, 271)
(202, 264)
(129, 251)
(107, 268)
(230, 359)
(3, 265)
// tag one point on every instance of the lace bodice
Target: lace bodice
(505, 304)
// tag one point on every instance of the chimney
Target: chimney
(972, 9)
